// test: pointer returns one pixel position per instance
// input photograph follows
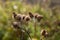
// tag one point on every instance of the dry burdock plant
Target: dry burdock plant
(18, 17)
(21, 31)
(36, 18)
(21, 20)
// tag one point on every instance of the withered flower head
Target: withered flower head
(44, 33)
(15, 25)
(39, 17)
(18, 17)
(31, 15)
(27, 18)
(14, 14)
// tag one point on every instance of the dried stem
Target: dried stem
(35, 28)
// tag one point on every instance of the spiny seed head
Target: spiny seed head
(14, 14)
(39, 17)
(18, 17)
(15, 25)
(31, 15)
(44, 33)
(27, 18)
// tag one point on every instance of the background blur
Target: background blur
(50, 9)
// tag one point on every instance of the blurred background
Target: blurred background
(50, 9)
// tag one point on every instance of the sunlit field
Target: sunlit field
(20, 21)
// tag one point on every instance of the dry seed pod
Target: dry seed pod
(27, 18)
(15, 25)
(39, 17)
(44, 33)
(19, 17)
(31, 15)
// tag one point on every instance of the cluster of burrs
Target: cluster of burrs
(35, 16)
(39, 17)
(23, 19)
(20, 21)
